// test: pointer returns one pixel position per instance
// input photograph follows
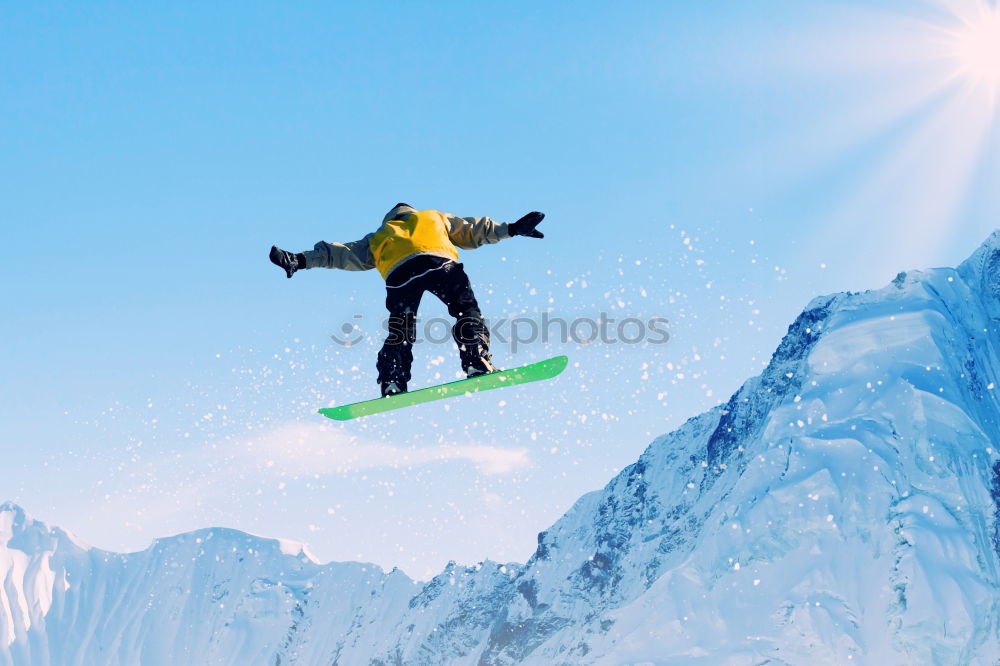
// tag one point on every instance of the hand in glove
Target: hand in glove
(526, 226)
(286, 260)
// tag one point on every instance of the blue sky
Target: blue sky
(716, 166)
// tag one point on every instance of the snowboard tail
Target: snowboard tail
(520, 375)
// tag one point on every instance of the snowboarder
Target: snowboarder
(416, 251)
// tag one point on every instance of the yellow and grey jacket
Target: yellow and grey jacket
(406, 233)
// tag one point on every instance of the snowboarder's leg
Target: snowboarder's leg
(470, 332)
(396, 355)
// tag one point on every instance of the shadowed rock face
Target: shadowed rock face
(843, 504)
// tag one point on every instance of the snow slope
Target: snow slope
(842, 507)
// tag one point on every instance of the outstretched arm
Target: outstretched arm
(353, 256)
(469, 233)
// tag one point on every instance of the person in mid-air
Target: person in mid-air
(416, 251)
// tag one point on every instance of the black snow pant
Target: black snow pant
(405, 286)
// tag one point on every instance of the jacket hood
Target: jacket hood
(398, 210)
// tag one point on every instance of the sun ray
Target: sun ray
(910, 201)
(902, 123)
(972, 44)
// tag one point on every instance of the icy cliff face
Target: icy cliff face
(842, 507)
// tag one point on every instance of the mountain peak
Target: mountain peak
(224, 538)
(19, 530)
(10, 506)
(982, 269)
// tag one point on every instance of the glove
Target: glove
(526, 226)
(286, 260)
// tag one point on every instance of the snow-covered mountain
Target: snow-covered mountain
(842, 507)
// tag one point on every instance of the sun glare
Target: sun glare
(975, 46)
(934, 74)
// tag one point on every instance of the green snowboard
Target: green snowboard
(522, 375)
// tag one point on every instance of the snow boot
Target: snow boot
(479, 365)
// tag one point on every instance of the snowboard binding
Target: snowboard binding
(392, 388)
